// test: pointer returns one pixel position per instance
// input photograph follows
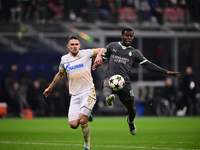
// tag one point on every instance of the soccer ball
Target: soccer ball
(116, 82)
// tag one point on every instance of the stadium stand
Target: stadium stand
(32, 47)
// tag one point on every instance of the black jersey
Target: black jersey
(121, 59)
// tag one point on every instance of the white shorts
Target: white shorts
(82, 103)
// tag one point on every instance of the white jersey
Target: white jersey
(78, 70)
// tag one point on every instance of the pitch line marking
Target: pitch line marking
(128, 147)
(125, 142)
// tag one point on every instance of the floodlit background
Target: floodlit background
(33, 37)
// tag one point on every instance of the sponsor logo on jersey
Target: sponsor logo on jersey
(114, 50)
(68, 67)
(119, 59)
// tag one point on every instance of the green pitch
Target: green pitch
(107, 133)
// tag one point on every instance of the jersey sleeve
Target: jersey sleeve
(91, 52)
(61, 67)
(140, 58)
(154, 67)
(106, 52)
(147, 64)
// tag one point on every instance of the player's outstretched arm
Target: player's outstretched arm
(175, 74)
(98, 60)
(58, 77)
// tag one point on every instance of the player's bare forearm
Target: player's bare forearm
(175, 74)
(98, 60)
(58, 77)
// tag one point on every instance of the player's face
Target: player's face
(127, 38)
(74, 46)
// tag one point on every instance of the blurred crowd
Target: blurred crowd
(184, 102)
(158, 11)
(25, 93)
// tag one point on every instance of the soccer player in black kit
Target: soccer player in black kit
(121, 56)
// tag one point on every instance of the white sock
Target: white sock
(86, 135)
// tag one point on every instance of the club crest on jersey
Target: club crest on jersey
(130, 53)
(68, 67)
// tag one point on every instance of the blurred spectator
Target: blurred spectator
(43, 81)
(8, 80)
(194, 9)
(56, 9)
(36, 99)
(159, 54)
(28, 8)
(169, 92)
(25, 81)
(15, 10)
(18, 97)
(143, 9)
(79, 11)
(65, 98)
(105, 9)
(56, 100)
(127, 10)
(173, 11)
(189, 86)
(40, 11)
(156, 10)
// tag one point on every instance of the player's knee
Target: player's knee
(73, 125)
(131, 107)
(106, 83)
(83, 120)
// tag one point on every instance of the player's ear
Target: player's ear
(68, 45)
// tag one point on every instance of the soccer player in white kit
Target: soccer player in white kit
(77, 65)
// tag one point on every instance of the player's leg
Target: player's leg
(83, 120)
(74, 124)
(107, 91)
(87, 103)
(130, 118)
(127, 98)
(73, 114)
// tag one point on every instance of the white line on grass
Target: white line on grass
(122, 142)
(127, 147)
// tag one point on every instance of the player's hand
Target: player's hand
(47, 92)
(175, 74)
(97, 62)
(94, 66)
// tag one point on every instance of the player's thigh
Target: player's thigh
(88, 101)
(126, 97)
(74, 109)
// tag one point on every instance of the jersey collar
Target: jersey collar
(124, 47)
(73, 55)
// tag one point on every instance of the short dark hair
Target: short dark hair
(72, 37)
(127, 29)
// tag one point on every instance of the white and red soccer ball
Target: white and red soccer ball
(116, 82)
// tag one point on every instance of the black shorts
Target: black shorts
(126, 94)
